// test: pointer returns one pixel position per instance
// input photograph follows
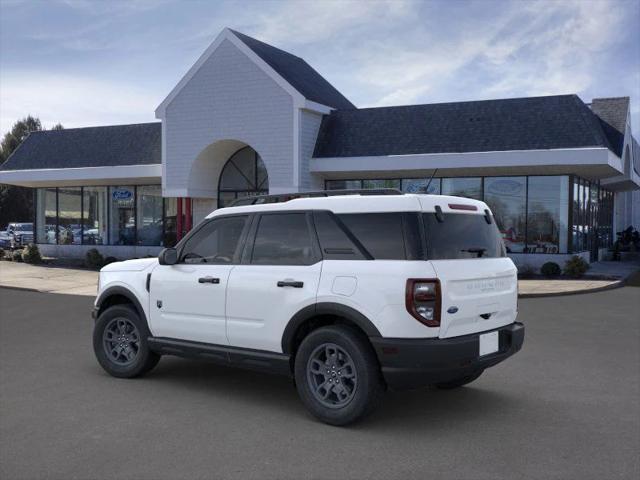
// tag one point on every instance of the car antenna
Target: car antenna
(431, 178)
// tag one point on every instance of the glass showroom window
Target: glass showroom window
(463, 187)
(122, 225)
(547, 214)
(94, 216)
(381, 184)
(419, 185)
(46, 215)
(507, 198)
(149, 215)
(343, 185)
(70, 216)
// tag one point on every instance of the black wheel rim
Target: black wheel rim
(121, 341)
(331, 374)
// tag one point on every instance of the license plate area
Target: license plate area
(489, 343)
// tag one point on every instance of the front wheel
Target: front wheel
(337, 375)
(120, 342)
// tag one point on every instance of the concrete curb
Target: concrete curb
(55, 292)
(618, 284)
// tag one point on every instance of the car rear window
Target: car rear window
(386, 236)
(461, 235)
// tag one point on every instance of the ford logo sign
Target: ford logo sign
(122, 194)
(505, 187)
(452, 310)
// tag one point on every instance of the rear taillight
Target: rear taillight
(423, 300)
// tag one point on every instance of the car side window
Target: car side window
(216, 242)
(283, 239)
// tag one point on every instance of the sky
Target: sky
(86, 63)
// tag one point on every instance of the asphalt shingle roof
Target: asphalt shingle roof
(613, 115)
(109, 146)
(532, 123)
(298, 73)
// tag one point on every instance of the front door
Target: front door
(187, 300)
(279, 276)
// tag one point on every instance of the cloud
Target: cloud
(72, 100)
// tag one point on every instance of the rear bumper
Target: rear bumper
(412, 363)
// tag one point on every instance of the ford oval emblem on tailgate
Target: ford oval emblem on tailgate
(452, 310)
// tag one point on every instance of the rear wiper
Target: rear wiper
(479, 251)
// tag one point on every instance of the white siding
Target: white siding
(309, 127)
(229, 97)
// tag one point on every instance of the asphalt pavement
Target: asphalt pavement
(566, 407)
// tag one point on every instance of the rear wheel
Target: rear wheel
(459, 382)
(337, 375)
(120, 342)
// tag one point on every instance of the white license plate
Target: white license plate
(489, 343)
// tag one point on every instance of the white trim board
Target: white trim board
(61, 177)
(576, 157)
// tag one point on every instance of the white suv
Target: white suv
(349, 295)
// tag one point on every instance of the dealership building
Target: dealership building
(561, 175)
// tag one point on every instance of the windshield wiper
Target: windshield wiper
(479, 251)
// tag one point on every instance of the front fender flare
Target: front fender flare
(125, 292)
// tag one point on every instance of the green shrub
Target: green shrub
(550, 269)
(31, 254)
(526, 270)
(109, 260)
(1, 254)
(94, 259)
(16, 256)
(576, 267)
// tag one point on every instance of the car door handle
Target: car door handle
(209, 280)
(290, 283)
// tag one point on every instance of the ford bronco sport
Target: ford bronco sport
(348, 295)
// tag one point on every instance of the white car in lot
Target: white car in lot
(349, 295)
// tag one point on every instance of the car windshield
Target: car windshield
(22, 227)
(460, 235)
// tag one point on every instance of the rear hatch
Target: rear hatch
(478, 282)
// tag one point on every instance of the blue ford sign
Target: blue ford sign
(122, 194)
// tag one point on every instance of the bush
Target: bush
(576, 267)
(109, 260)
(526, 270)
(31, 254)
(1, 254)
(94, 259)
(16, 256)
(550, 269)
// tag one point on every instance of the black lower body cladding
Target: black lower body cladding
(409, 363)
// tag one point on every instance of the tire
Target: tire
(459, 382)
(134, 358)
(324, 356)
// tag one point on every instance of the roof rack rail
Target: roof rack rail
(285, 197)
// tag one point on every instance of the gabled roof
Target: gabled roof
(533, 123)
(110, 146)
(292, 73)
(298, 73)
(613, 114)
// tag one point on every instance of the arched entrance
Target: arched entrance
(243, 175)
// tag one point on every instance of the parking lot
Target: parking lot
(566, 407)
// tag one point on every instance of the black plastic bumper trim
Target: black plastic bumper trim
(414, 363)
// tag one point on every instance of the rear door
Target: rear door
(279, 276)
(187, 300)
(478, 282)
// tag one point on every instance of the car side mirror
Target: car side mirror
(168, 256)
